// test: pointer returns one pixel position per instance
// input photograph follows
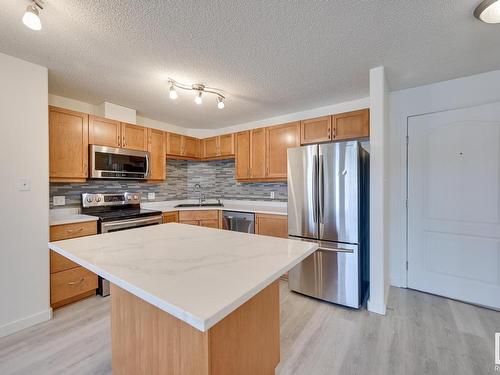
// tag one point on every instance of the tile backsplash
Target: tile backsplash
(216, 179)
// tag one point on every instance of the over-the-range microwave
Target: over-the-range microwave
(118, 163)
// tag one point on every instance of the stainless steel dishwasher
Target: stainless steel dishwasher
(238, 221)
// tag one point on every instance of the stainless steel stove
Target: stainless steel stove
(116, 212)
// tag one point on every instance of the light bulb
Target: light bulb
(198, 99)
(220, 103)
(31, 18)
(488, 11)
(172, 93)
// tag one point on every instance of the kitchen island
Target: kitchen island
(190, 300)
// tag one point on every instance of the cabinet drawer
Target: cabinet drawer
(198, 215)
(70, 283)
(59, 263)
(209, 223)
(65, 231)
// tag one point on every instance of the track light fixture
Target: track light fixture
(488, 11)
(199, 88)
(31, 17)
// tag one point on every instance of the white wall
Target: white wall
(379, 194)
(458, 93)
(24, 229)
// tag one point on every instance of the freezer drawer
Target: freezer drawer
(332, 273)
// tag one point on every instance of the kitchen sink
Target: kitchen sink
(185, 205)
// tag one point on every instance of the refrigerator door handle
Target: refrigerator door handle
(321, 191)
(315, 188)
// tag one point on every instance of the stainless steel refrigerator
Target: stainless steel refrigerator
(328, 204)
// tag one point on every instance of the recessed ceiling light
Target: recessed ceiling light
(31, 17)
(488, 11)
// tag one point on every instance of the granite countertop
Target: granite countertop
(199, 275)
(262, 207)
(68, 216)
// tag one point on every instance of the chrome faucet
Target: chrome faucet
(201, 196)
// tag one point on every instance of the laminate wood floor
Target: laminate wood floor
(421, 334)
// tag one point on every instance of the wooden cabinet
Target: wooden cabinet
(217, 147)
(242, 155)
(351, 125)
(278, 140)
(171, 217)
(70, 282)
(271, 225)
(204, 218)
(258, 153)
(316, 130)
(156, 148)
(190, 147)
(134, 137)
(174, 144)
(68, 145)
(104, 132)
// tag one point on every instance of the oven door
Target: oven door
(118, 163)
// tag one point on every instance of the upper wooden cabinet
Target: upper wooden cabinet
(218, 147)
(174, 144)
(278, 140)
(316, 130)
(258, 153)
(351, 125)
(190, 147)
(134, 137)
(68, 145)
(156, 148)
(104, 132)
(242, 155)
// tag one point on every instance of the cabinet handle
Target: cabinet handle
(77, 282)
(74, 230)
(334, 132)
(123, 142)
(118, 141)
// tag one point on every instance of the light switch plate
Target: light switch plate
(151, 196)
(272, 194)
(58, 200)
(24, 184)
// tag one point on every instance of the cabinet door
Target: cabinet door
(210, 147)
(134, 137)
(351, 125)
(279, 139)
(209, 223)
(174, 144)
(226, 145)
(104, 132)
(258, 153)
(189, 147)
(156, 148)
(170, 217)
(68, 145)
(271, 225)
(316, 130)
(242, 155)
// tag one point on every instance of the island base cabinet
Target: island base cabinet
(147, 340)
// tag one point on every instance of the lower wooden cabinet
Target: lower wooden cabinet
(170, 217)
(202, 218)
(271, 225)
(70, 282)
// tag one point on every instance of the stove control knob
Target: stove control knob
(89, 199)
(98, 199)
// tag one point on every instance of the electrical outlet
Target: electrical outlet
(151, 196)
(272, 194)
(24, 184)
(58, 200)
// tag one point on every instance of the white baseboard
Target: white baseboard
(25, 322)
(378, 308)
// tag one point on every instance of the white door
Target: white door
(454, 204)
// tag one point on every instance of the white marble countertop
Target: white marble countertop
(263, 207)
(196, 274)
(68, 216)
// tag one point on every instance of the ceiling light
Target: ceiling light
(220, 103)
(198, 99)
(31, 17)
(199, 88)
(488, 11)
(172, 92)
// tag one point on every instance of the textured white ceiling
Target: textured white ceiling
(270, 57)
